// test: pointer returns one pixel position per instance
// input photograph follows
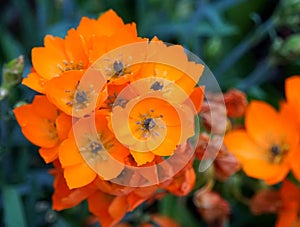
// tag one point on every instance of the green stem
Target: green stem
(244, 46)
(259, 75)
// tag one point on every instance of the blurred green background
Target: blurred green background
(252, 45)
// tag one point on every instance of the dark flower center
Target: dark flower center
(81, 96)
(149, 123)
(156, 86)
(95, 147)
(118, 67)
(278, 153)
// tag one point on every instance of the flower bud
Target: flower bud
(212, 207)
(266, 201)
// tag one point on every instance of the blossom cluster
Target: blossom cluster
(112, 109)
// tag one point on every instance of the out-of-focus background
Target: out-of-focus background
(250, 45)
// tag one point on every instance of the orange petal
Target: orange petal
(118, 207)
(197, 97)
(49, 154)
(292, 86)
(142, 157)
(264, 124)
(75, 49)
(243, 147)
(69, 154)
(38, 125)
(79, 175)
(35, 82)
(63, 197)
(63, 125)
(46, 61)
(99, 204)
(60, 90)
(109, 22)
(271, 173)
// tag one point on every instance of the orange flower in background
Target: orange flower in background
(225, 163)
(212, 207)
(43, 125)
(292, 86)
(266, 201)
(289, 212)
(268, 145)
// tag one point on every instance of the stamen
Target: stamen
(278, 153)
(121, 102)
(81, 96)
(156, 86)
(118, 67)
(95, 147)
(149, 123)
(59, 66)
(275, 150)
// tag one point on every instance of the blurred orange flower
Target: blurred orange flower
(266, 148)
(212, 207)
(289, 211)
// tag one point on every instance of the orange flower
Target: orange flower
(154, 127)
(111, 209)
(63, 197)
(74, 97)
(44, 125)
(171, 64)
(87, 153)
(79, 49)
(288, 213)
(269, 142)
(56, 57)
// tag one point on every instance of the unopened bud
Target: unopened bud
(12, 72)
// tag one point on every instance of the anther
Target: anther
(156, 86)
(81, 96)
(95, 147)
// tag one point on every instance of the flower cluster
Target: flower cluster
(113, 109)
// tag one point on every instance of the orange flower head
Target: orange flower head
(269, 142)
(43, 125)
(79, 49)
(153, 124)
(89, 152)
(77, 93)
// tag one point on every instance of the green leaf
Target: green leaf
(13, 208)
(176, 208)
